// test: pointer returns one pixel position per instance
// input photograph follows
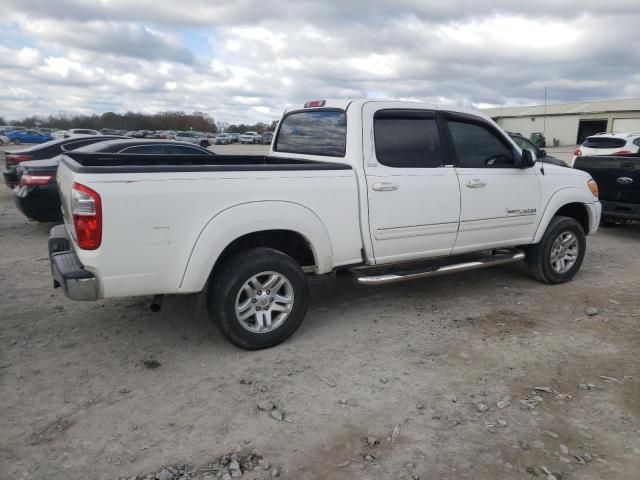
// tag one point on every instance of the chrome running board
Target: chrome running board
(501, 257)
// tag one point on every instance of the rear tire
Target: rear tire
(559, 255)
(251, 312)
(16, 141)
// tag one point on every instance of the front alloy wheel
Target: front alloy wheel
(564, 252)
(559, 254)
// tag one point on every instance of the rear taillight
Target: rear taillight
(86, 208)
(578, 152)
(622, 153)
(14, 159)
(35, 180)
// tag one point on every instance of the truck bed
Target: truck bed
(166, 218)
(81, 162)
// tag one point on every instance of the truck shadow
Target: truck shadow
(630, 231)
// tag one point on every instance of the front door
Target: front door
(500, 203)
(412, 189)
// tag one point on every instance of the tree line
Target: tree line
(198, 121)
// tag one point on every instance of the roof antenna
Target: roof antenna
(544, 128)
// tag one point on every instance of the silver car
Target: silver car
(192, 137)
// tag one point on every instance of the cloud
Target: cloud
(244, 61)
(121, 39)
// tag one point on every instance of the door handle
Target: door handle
(384, 187)
(476, 183)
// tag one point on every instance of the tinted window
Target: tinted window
(407, 142)
(181, 150)
(80, 143)
(604, 142)
(145, 150)
(636, 142)
(319, 132)
(478, 147)
(525, 144)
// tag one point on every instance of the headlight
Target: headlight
(593, 186)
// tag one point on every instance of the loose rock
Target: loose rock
(165, 474)
(481, 407)
(277, 415)
(504, 403)
(591, 311)
(265, 405)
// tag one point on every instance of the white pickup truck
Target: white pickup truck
(388, 191)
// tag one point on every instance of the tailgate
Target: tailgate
(618, 178)
(65, 178)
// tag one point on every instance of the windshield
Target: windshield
(317, 132)
(604, 142)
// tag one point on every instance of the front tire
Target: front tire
(258, 298)
(559, 255)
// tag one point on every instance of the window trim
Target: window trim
(481, 122)
(163, 145)
(193, 146)
(307, 110)
(406, 114)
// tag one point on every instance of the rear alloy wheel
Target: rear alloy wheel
(264, 302)
(258, 299)
(559, 255)
(16, 141)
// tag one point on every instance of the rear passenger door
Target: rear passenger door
(500, 202)
(412, 189)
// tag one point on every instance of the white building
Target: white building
(570, 123)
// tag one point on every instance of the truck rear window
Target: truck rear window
(317, 132)
(604, 142)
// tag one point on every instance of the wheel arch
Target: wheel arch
(568, 202)
(285, 226)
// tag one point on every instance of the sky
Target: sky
(245, 60)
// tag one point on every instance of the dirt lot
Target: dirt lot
(110, 389)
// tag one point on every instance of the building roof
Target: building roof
(624, 105)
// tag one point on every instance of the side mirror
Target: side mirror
(527, 160)
(542, 153)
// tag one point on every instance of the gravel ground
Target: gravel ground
(486, 375)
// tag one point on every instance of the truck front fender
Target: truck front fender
(242, 219)
(560, 198)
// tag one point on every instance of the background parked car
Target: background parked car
(10, 128)
(250, 137)
(193, 137)
(59, 134)
(4, 139)
(43, 151)
(223, 139)
(235, 137)
(36, 195)
(618, 144)
(76, 132)
(266, 138)
(27, 136)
